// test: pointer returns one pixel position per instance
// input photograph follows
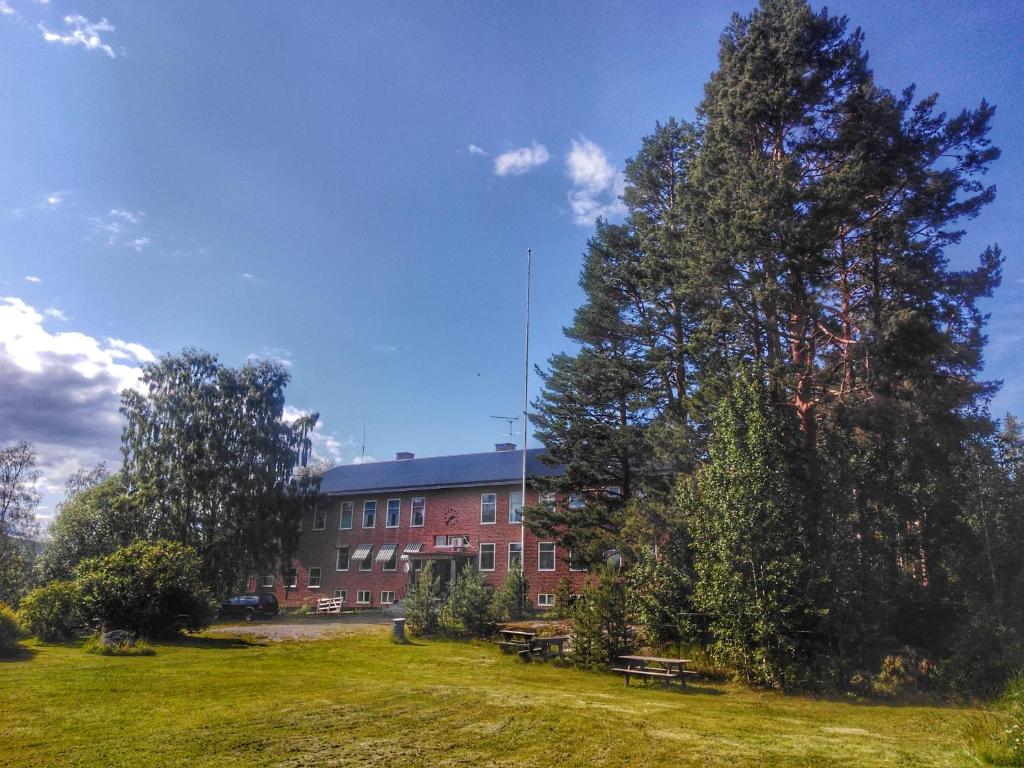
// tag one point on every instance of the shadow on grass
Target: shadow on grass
(21, 653)
(216, 643)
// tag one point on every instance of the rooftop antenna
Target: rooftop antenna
(362, 451)
(511, 420)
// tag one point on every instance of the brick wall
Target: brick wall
(449, 512)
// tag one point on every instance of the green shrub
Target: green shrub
(53, 611)
(509, 601)
(153, 589)
(10, 630)
(467, 612)
(127, 647)
(600, 631)
(658, 591)
(999, 738)
(422, 603)
(563, 598)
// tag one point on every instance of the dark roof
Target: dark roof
(437, 472)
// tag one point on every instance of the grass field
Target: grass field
(360, 700)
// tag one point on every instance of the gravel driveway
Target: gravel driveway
(303, 627)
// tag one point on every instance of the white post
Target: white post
(526, 416)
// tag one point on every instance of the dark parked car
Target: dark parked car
(249, 607)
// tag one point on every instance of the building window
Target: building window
(545, 601)
(369, 514)
(546, 556)
(387, 598)
(515, 507)
(366, 563)
(391, 563)
(419, 512)
(488, 508)
(268, 581)
(341, 593)
(347, 510)
(547, 500)
(319, 518)
(342, 563)
(441, 541)
(575, 563)
(394, 513)
(515, 555)
(291, 578)
(314, 578)
(486, 557)
(576, 502)
(363, 597)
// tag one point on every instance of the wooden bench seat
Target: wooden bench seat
(646, 672)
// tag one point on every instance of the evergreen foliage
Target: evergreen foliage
(510, 602)
(467, 611)
(563, 598)
(600, 630)
(658, 592)
(422, 603)
(153, 589)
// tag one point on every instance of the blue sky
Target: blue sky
(351, 187)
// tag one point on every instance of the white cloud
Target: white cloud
(475, 150)
(33, 279)
(5, 9)
(121, 229)
(61, 392)
(55, 314)
(516, 162)
(131, 218)
(277, 354)
(139, 243)
(48, 202)
(82, 32)
(363, 460)
(597, 185)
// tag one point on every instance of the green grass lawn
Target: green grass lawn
(360, 700)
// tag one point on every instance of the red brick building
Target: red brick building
(381, 522)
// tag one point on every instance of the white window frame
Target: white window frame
(546, 600)
(394, 560)
(320, 510)
(423, 512)
(387, 514)
(342, 594)
(494, 496)
(515, 544)
(268, 581)
(359, 596)
(348, 557)
(383, 601)
(319, 577)
(351, 506)
(511, 518)
(480, 556)
(554, 556)
(368, 560)
(367, 505)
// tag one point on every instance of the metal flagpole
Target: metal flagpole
(526, 417)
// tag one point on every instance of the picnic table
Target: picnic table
(546, 647)
(515, 639)
(654, 667)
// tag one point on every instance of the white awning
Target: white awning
(362, 552)
(412, 549)
(387, 551)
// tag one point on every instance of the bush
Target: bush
(53, 611)
(153, 589)
(999, 739)
(422, 603)
(600, 631)
(467, 613)
(658, 589)
(10, 630)
(509, 601)
(563, 598)
(127, 646)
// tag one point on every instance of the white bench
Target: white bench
(329, 604)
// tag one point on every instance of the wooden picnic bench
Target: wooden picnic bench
(329, 605)
(546, 647)
(654, 667)
(515, 640)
